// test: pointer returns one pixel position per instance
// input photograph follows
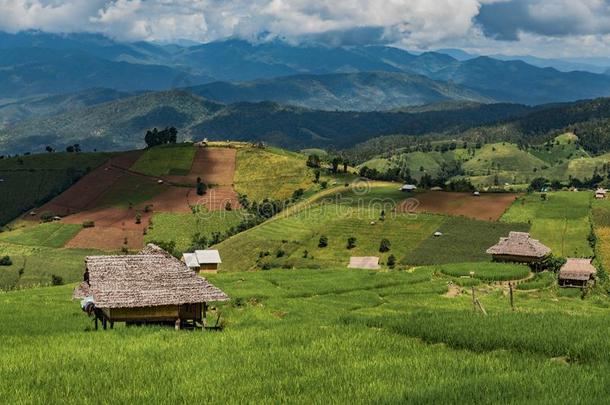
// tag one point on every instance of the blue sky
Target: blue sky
(548, 28)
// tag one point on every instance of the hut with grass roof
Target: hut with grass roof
(150, 287)
(577, 273)
(518, 247)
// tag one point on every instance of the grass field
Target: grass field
(180, 228)
(54, 235)
(463, 240)
(561, 221)
(600, 214)
(166, 160)
(485, 271)
(343, 215)
(540, 280)
(270, 173)
(35, 265)
(130, 189)
(29, 181)
(312, 336)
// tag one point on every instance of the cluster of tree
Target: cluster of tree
(540, 183)
(73, 148)
(165, 136)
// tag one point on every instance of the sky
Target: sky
(545, 28)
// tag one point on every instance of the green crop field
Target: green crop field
(485, 271)
(35, 265)
(315, 336)
(131, 189)
(540, 280)
(270, 173)
(29, 181)
(180, 228)
(166, 160)
(561, 221)
(282, 242)
(463, 240)
(54, 235)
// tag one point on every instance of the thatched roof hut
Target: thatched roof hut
(576, 273)
(150, 286)
(518, 247)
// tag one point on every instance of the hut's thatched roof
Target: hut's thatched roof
(519, 244)
(151, 278)
(577, 269)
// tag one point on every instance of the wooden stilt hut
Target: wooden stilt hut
(150, 287)
(577, 273)
(518, 247)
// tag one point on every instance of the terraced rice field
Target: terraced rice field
(561, 221)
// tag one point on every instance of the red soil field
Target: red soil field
(487, 207)
(88, 190)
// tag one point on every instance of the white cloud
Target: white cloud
(534, 26)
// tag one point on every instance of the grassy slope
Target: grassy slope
(270, 172)
(54, 235)
(166, 160)
(502, 156)
(339, 215)
(131, 189)
(311, 336)
(463, 240)
(561, 222)
(31, 180)
(34, 265)
(180, 228)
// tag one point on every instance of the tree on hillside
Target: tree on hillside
(335, 164)
(384, 245)
(351, 242)
(49, 149)
(313, 161)
(165, 136)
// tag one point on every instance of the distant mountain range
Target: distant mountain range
(121, 124)
(35, 63)
(367, 91)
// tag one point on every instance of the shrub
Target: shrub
(305, 254)
(201, 188)
(228, 206)
(56, 280)
(384, 246)
(351, 242)
(391, 261)
(280, 253)
(138, 218)
(6, 261)
(323, 242)
(88, 224)
(47, 216)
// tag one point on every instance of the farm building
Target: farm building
(518, 247)
(576, 273)
(408, 187)
(203, 260)
(150, 287)
(365, 262)
(600, 193)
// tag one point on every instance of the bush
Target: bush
(47, 216)
(228, 206)
(391, 261)
(138, 218)
(323, 242)
(549, 263)
(280, 253)
(88, 224)
(56, 280)
(201, 188)
(6, 261)
(351, 242)
(384, 246)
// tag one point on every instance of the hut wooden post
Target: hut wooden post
(177, 324)
(96, 327)
(510, 290)
(474, 300)
(204, 319)
(104, 323)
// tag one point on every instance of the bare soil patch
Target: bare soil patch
(487, 207)
(88, 190)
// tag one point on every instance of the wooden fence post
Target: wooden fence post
(512, 302)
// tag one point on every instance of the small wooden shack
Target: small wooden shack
(364, 262)
(150, 287)
(577, 273)
(600, 193)
(518, 247)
